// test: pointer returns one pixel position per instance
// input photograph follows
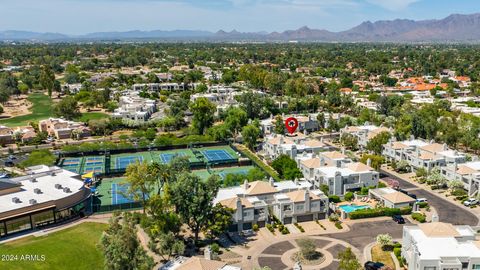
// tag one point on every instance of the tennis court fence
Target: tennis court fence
(98, 208)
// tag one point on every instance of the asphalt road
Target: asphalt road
(364, 233)
(447, 211)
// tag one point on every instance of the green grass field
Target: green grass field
(41, 109)
(72, 248)
(91, 116)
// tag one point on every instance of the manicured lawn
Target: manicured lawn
(92, 116)
(378, 255)
(72, 248)
(41, 109)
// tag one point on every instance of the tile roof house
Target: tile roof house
(63, 129)
(251, 202)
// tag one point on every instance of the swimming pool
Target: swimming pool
(348, 208)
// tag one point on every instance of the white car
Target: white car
(419, 200)
(470, 202)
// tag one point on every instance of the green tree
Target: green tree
(203, 111)
(376, 143)
(67, 108)
(349, 141)
(235, 120)
(375, 160)
(250, 134)
(120, 246)
(279, 125)
(321, 120)
(307, 248)
(286, 167)
(141, 182)
(348, 260)
(39, 157)
(47, 79)
(193, 200)
(167, 245)
(220, 221)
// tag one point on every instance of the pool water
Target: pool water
(352, 207)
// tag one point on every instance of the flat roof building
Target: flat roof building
(46, 195)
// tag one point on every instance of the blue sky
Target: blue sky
(83, 16)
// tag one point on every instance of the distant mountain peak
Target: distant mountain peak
(455, 27)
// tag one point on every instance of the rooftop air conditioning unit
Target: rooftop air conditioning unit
(16, 200)
(32, 201)
(66, 190)
(58, 186)
(37, 191)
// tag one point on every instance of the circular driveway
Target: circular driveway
(277, 256)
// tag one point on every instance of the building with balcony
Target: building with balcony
(276, 145)
(364, 133)
(468, 173)
(132, 107)
(253, 202)
(45, 196)
(422, 154)
(440, 246)
(337, 171)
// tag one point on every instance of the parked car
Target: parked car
(470, 202)
(422, 200)
(373, 265)
(398, 219)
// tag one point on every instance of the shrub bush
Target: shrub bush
(285, 230)
(215, 248)
(419, 217)
(459, 192)
(338, 224)
(300, 228)
(378, 212)
(270, 228)
(334, 199)
(255, 227)
(348, 196)
(397, 251)
(422, 204)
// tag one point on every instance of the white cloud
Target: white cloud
(393, 5)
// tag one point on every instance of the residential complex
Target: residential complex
(135, 108)
(437, 245)
(276, 145)
(63, 129)
(290, 201)
(364, 133)
(421, 154)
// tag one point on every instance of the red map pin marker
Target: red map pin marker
(291, 124)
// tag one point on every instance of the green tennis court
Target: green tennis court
(121, 161)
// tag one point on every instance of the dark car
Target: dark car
(399, 219)
(373, 265)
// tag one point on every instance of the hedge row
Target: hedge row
(379, 212)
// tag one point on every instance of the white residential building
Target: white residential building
(135, 108)
(364, 133)
(440, 246)
(306, 123)
(468, 173)
(155, 87)
(337, 171)
(252, 201)
(421, 154)
(276, 145)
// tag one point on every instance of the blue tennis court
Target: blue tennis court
(71, 161)
(166, 158)
(217, 155)
(123, 162)
(93, 169)
(119, 194)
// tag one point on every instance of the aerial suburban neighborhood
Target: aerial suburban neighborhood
(355, 147)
